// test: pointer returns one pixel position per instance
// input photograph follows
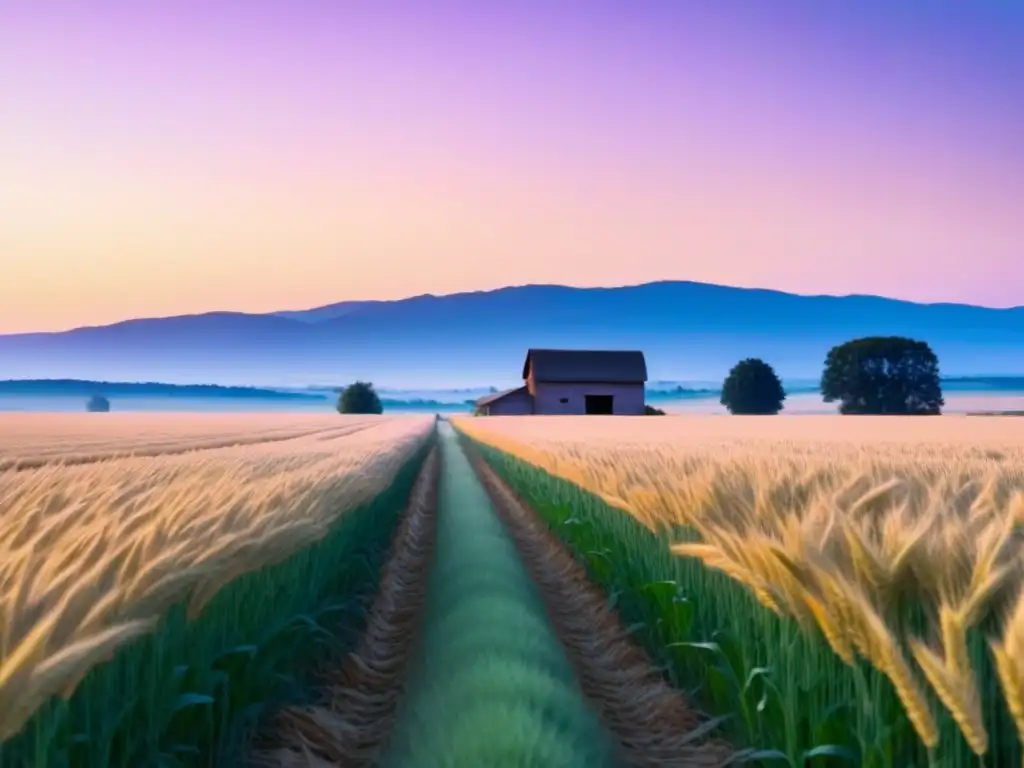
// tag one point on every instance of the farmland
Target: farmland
(32, 440)
(101, 550)
(844, 588)
(498, 673)
(341, 591)
(379, 591)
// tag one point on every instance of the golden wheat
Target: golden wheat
(32, 439)
(92, 554)
(837, 522)
(1009, 657)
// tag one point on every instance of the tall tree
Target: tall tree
(883, 375)
(359, 397)
(752, 388)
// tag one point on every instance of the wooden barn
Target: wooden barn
(574, 382)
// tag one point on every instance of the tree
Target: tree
(883, 375)
(98, 404)
(359, 397)
(752, 388)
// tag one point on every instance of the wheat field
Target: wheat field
(33, 439)
(106, 522)
(854, 527)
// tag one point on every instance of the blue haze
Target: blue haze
(689, 332)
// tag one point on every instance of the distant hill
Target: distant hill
(82, 388)
(329, 312)
(689, 331)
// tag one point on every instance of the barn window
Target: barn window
(563, 400)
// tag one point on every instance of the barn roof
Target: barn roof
(488, 399)
(586, 365)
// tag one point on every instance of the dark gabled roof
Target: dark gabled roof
(586, 365)
(488, 399)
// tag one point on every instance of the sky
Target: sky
(256, 155)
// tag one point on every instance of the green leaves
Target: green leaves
(185, 700)
(359, 397)
(753, 388)
(883, 375)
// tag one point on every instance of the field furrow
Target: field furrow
(352, 723)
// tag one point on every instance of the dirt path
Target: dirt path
(505, 655)
(491, 685)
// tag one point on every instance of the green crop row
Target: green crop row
(785, 692)
(190, 693)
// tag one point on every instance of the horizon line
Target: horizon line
(278, 313)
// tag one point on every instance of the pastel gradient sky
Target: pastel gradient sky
(162, 158)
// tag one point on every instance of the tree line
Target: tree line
(890, 375)
(883, 375)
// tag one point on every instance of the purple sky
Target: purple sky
(171, 157)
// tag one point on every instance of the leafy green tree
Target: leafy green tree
(359, 397)
(752, 388)
(97, 404)
(883, 375)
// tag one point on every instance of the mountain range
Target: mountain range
(688, 331)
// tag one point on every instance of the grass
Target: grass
(198, 650)
(804, 596)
